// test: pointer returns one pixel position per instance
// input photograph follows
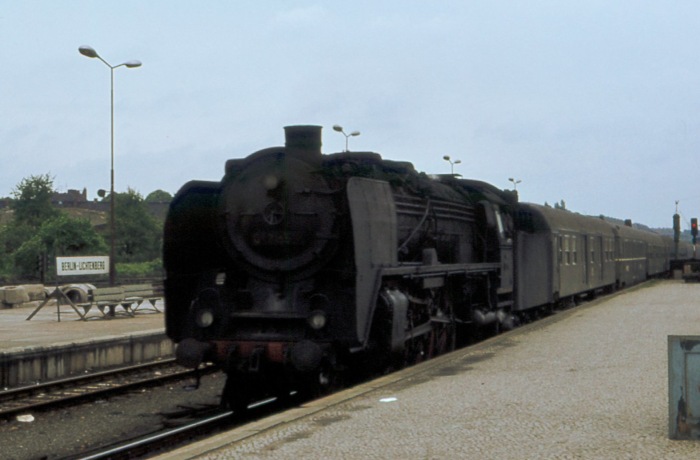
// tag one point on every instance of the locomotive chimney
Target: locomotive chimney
(304, 141)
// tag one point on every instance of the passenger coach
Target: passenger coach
(561, 254)
(639, 254)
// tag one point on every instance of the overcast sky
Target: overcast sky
(596, 103)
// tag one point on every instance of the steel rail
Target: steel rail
(169, 438)
(78, 388)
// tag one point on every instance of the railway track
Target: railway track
(163, 439)
(191, 424)
(86, 387)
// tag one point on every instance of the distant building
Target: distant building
(71, 199)
(78, 199)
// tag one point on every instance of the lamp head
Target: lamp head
(132, 64)
(338, 128)
(88, 51)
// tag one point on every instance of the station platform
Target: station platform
(43, 348)
(587, 383)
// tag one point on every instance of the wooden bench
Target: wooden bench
(142, 295)
(130, 297)
(108, 298)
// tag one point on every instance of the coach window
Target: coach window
(603, 249)
(574, 250)
(591, 244)
(561, 249)
(567, 252)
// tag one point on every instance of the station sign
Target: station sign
(84, 265)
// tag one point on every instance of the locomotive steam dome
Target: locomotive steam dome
(279, 214)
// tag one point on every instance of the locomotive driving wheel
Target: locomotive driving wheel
(416, 352)
(444, 334)
(442, 338)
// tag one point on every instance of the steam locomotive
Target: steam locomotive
(299, 268)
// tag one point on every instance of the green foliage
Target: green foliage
(32, 200)
(38, 228)
(159, 196)
(14, 234)
(138, 234)
(150, 269)
(59, 236)
(5, 262)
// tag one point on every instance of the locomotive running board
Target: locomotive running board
(419, 271)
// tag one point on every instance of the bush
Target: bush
(150, 269)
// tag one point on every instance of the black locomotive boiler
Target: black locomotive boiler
(298, 267)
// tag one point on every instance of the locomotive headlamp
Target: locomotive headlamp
(270, 182)
(317, 319)
(204, 317)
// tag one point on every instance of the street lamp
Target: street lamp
(340, 130)
(452, 163)
(91, 53)
(515, 183)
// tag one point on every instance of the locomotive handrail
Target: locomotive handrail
(417, 227)
(446, 269)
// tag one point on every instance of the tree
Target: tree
(138, 234)
(159, 196)
(59, 236)
(32, 201)
(37, 228)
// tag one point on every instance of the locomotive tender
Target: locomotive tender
(298, 267)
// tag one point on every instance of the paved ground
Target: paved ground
(589, 383)
(43, 330)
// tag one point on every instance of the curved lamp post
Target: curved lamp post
(91, 53)
(340, 130)
(515, 183)
(452, 163)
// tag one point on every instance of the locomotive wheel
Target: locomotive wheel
(379, 357)
(237, 394)
(442, 339)
(281, 388)
(309, 387)
(416, 352)
(443, 336)
(321, 383)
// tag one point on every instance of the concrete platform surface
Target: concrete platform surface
(587, 383)
(43, 349)
(44, 329)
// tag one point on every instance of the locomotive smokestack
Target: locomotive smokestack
(304, 141)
